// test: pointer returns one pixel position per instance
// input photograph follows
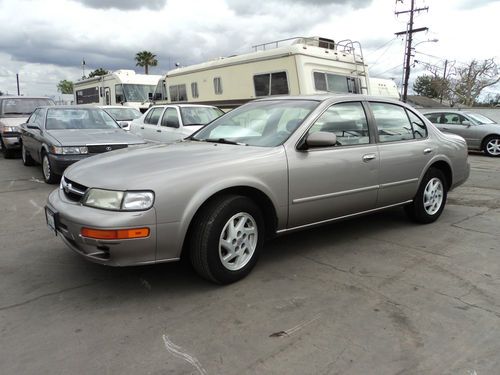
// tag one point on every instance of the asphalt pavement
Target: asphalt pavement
(373, 295)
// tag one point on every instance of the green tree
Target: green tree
(146, 59)
(65, 87)
(98, 72)
(429, 86)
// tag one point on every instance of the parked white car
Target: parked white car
(172, 122)
(122, 115)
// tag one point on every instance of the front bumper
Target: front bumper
(71, 217)
(11, 142)
(60, 162)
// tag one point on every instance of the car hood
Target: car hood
(83, 137)
(13, 121)
(155, 166)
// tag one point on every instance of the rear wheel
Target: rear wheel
(226, 239)
(492, 146)
(430, 199)
(27, 159)
(48, 175)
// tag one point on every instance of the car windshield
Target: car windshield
(22, 106)
(199, 115)
(72, 118)
(137, 93)
(480, 119)
(264, 123)
(123, 114)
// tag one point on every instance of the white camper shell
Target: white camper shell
(123, 87)
(293, 66)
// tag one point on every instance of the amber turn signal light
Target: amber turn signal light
(114, 234)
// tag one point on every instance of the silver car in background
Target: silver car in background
(122, 115)
(269, 167)
(172, 122)
(480, 132)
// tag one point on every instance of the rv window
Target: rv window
(85, 96)
(218, 85)
(177, 93)
(279, 84)
(270, 84)
(194, 89)
(320, 81)
(336, 83)
(119, 97)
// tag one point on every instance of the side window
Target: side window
(154, 116)
(347, 121)
(433, 117)
(217, 85)
(194, 89)
(170, 118)
(119, 97)
(419, 128)
(336, 83)
(34, 117)
(392, 122)
(177, 93)
(271, 84)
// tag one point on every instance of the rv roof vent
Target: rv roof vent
(125, 72)
(317, 41)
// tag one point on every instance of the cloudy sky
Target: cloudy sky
(45, 40)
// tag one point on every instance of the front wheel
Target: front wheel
(430, 199)
(226, 238)
(48, 175)
(492, 146)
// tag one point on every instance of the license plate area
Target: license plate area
(52, 218)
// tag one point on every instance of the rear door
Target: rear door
(170, 126)
(151, 124)
(331, 182)
(461, 125)
(404, 149)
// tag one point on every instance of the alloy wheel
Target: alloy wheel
(433, 196)
(238, 241)
(493, 147)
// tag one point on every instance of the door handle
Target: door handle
(158, 130)
(142, 127)
(427, 151)
(368, 157)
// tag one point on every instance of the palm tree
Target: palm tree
(146, 59)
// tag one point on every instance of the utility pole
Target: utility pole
(17, 80)
(409, 39)
(443, 83)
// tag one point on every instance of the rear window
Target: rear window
(22, 106)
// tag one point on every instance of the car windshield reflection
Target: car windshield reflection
(265, 123)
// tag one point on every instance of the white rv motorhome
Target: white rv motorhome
(384, 87)
(286, 67)
(120, 87)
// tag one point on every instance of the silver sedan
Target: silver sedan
(267, 168)
(480, 132)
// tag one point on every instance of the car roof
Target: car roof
(72, 106)
(24, 97)
(182, 105)
(335, 98)
(115, 106)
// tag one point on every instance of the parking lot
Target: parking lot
(373, 295)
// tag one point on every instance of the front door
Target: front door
(336, 181)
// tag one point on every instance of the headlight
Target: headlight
(69, 150)
(10, 131)
(119, 200)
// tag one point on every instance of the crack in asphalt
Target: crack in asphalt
(3, 308)
(389, 300)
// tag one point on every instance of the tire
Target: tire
(26, 157)
(222, 255)
(7, 154)
(430, 199)
(492, 146)
(49, 176)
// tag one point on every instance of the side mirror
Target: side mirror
(123, 124)
(466, 123)
(150, 95)
(31, 126)
(320, 139)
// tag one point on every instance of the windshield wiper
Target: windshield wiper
(223, 140)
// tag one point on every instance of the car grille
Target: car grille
(97, 149)
(72, 190)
